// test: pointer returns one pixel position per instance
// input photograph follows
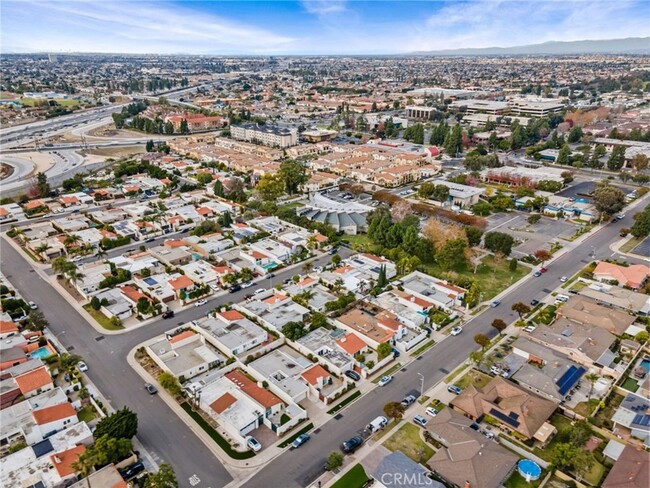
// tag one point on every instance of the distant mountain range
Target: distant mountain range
(630, 45)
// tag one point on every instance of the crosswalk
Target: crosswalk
(194, 480)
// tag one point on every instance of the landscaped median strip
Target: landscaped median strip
(349, 399)
(425, 347)
(223, 443)
(296, 435)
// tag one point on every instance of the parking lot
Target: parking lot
(532, 236)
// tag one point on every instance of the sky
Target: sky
(225, 27)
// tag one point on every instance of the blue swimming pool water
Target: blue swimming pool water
(529, 469)
(645, 364)
(41, 353)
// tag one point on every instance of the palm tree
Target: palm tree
(338, 285)
(307, 266)
(101, 253)
(41, 249)
(591, 378)
(71, 239)
(62, 266)
(74, 276)
(312, 242)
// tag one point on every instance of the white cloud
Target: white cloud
(324, 7)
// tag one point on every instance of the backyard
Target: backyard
(407, 439)
(473, 377)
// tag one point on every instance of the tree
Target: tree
(575, 134)
(640, 162)
(542, 255)
(320, 320)
(474, 235)
(170, 383)
(218, 189)
(454, 140)
(512, 266)
(271, 187)
(641, 226)
(482, 340)
(149, 147)
(564, 155)
(95, 303)
(608, 199)
(534, 218)
(42, 185)
(616, 159)
(642, 337)
(293, 330)
(499, 242)
(184, 128)
(204, 178)
(383, 350)
(122, 424)
(499, 325)
(382, 281)
(599, 152)
(452, 254)
(105, 450)
(336, 260)
(293, 174)
(591, 378)
(164, 478)
(334, 460)
(473, 295)
(521, 308)
(36, 320)
(394, 410)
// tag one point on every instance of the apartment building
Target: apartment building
(268, 135)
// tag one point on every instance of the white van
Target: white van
(377, 424)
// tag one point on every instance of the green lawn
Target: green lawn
(64, 102)
(290, 206)
(349, 399)
(101, 318)
(491, 279)
(631, 244)
(407, 439)
(87, 414)
(473, 377)
(585, 408)
(630, 384)
(546, 315)
(355, 478)
(426, 346)
(359, 241)
(595, 474)
(518, 481)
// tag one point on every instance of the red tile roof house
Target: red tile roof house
(35, 382)
(63, 461)
(182, 286)
(7, 328)
(633, 276)
(55, 418)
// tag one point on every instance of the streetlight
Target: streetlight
(421, 384)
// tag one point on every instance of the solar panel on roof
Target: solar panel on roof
(504, 418)
(569, 379)
(643, 420)
(42, 448)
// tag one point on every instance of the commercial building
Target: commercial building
(535, 108)
(419, 112)
(267, 135)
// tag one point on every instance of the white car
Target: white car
(431, 411)
(76, 259)
(253, 443)
(246, 284)
(564, 279)
(318, 269)
(456, 330)
(385, 380)
(81, 366)
(200, 302)
(260, 290)
(32, 305)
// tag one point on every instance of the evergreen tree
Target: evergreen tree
(563, 155)
(123, 424)
(617, 158)
(184, 127)
(381, 279)
(149, 146)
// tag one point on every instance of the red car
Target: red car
(543, 270)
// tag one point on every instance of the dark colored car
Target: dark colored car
(353, 375)
(150, 389)
(234, 288)
(534, 302)
(168, 314)
(409, 400)
(131, 471)
(333, 251)
(351, 445)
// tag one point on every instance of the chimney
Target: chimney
(57, 459)
(467, 485)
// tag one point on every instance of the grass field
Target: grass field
(101, 319)
(473, 377)
(355, 478)
(407, 439)
(87, 413)
(31, 102)
(630, 384)
(631, 244)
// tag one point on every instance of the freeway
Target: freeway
(300, 468)
(159, 429)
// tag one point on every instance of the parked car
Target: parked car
(537, 274)
(32, 305)
(247, 284)
(408, 401)
(431, 411)
(564, 279)
(76, 259)
(270, 275)
(495, 303)
(260, 290)
(418, 419)
(351, 445)
(334, 250)
(300, 440)
(456, 330)
(150, 389)
(253, 443)
(168, 314)
(318, 269)
(200, 302)
(81, 366)
(130, 471)
(534, 302)
(234, 288)
(353, 375)
(543, 270)
(385, 380)
(529, 328)
(454, 389)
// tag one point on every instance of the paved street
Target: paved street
(168, 439)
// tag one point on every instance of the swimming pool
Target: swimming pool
(529, 470)
(645, 364)
(41, 353)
